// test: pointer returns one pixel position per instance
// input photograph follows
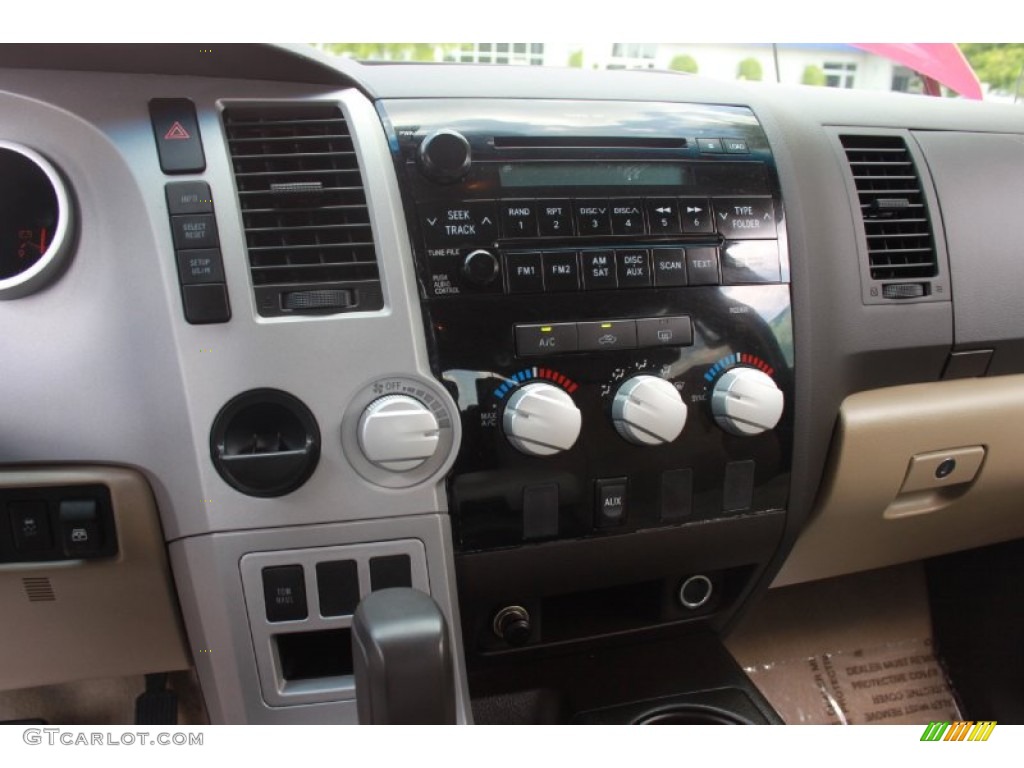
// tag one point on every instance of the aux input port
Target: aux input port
(695, 591)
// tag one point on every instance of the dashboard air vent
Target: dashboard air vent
(307, 227)
(900, 244)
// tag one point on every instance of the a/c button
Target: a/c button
(536, 340)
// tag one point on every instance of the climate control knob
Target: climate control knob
(746, 402)
(648, 411)
(398, 433)
(445, 156)
(541, 420)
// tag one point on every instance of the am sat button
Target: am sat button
(599, 270)
(607, 335)
(537, 340)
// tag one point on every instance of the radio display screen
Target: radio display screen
(594, 174)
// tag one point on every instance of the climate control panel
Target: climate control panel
(606, 300)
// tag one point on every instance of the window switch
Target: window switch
(80, 528)
(30, 524)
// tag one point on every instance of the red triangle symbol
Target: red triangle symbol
(177, 131)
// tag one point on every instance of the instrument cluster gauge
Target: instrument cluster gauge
(36, 221)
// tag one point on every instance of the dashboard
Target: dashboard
(593, 359)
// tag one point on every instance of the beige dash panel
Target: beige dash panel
(875, 509)
(75, 620)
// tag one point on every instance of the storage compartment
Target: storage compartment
(916, 471)
(311, 655)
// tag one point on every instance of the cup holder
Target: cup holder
(691, 714)
(265, 443)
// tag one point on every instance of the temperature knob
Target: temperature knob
(648, 411)
(445, 156)
(541, 420)
(398, 433)
(746, 402)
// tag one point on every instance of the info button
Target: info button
(537, 340)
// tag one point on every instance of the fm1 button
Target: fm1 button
(525, 274)
(610, 503)
(538, 340)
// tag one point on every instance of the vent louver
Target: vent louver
(307, 226)
(900, 243)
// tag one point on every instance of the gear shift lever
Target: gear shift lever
(402, 660)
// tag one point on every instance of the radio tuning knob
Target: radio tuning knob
(398, 433)
(648, 410)
(480, 267)
(541, 420)
(746, 402)
(444, 156)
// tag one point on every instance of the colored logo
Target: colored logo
(959, 730)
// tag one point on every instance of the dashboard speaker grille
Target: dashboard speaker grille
(900, 243)
(303, 206)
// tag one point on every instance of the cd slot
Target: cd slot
(588, 142)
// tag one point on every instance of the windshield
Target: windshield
(989, 71)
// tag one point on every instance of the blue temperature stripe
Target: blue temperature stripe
(709, 376)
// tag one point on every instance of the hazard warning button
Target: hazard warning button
(177, 135)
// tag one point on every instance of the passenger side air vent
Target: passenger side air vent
(900, 243)
(307, 227)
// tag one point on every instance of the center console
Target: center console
(605, 292)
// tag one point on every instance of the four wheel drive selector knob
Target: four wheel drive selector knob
(746, 402)
(398, 433)
(648, 410)
(541, 420)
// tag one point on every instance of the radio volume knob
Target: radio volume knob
(648, 410)
(746, 402)
(444, 156)
(398, 433)
(541, 420)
